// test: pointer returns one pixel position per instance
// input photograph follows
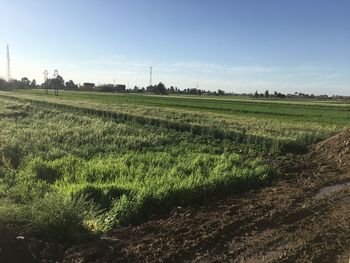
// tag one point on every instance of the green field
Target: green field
(85, 162)
(296, 110)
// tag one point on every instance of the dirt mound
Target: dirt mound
(335, 150)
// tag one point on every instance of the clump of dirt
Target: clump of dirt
(335, 150)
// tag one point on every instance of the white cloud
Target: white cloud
(313, 68)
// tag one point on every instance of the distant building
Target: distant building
(88, 85)
(322, 96)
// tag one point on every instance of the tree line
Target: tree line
(59, 83)
(159, 89)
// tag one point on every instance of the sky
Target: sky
(236, 45)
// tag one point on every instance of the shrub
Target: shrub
(55, 218)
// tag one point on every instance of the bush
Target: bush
(55, 218)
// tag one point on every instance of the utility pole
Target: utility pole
(55, 75)
(150, 75)
(8, 63)
(46, 78)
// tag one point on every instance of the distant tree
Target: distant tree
(281, 95)
(221, 92)
(161, 88)
(57, 83)
(267, 94)
(120, 88)
(25, 83)
(33, 84)
(60, 81)
(158, 89)
(256, 94)
(71, 86)
(3, 84)
(25, 80)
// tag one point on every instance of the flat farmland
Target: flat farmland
(83, 163)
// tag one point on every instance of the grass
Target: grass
(85, 163)
(275, 130)
(319, 111)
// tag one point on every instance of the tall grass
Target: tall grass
(276, 135)
(133, 186)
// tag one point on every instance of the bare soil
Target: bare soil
(15, 247)
(296, 219)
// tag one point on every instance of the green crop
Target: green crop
(92, 162)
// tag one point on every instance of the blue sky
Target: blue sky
(235, 45)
